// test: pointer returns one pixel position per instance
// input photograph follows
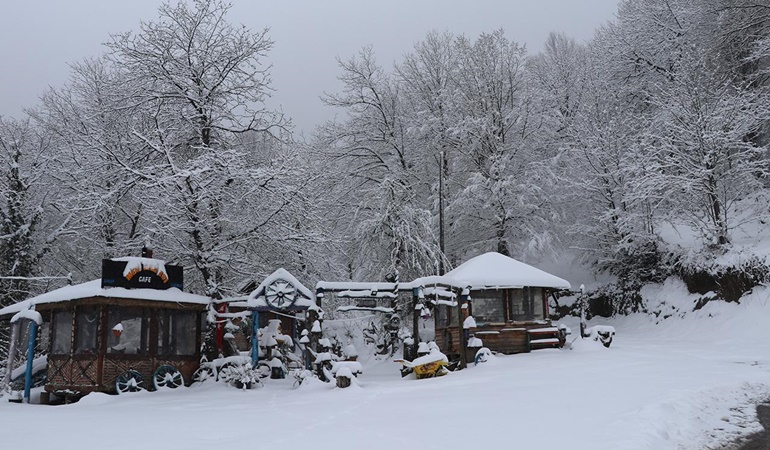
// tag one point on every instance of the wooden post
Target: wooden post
(30, 358)
(220, 330)
(415, 320)
(464, 298)
(254, 338)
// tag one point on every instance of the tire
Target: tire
(167, 376)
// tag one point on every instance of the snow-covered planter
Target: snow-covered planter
(344, 377)
(472, 347)
(601, 333)
(277, 369)
(482, 356)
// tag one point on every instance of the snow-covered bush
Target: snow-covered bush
(729, 276)
(239, 374)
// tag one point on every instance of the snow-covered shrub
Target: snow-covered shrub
(239, 374)
(729, 276)
(612, 299)
(636, 264)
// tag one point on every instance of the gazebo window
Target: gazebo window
(86, 327)
(526, 304)
(487, 306)
(128, 330)
(174, 336)
(62, 338)
(447, 315)
(535, 300)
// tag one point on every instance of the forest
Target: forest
(598, 151)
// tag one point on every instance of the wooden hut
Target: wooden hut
(132, 328)
(508, 303)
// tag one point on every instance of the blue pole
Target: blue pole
(30, 357)
(254, 338)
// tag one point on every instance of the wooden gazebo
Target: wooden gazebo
(508, 303)
(132, 328)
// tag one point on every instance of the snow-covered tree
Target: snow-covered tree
(202, 85)
(25, 226)
(92, 124)
(382, 165)
(501, 204)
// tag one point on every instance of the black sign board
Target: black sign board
(143, 276)
(366, 303)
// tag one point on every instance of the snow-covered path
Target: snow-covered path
(687, 383)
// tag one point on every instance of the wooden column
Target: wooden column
(460, 319)
(415, 320)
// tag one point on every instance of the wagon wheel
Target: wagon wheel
(130, 381)
(167, 376)
(280, 294)
(202, 374)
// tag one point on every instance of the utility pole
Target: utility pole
(441, 212)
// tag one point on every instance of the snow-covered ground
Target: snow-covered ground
(685, 383)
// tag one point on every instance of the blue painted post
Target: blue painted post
(30, 357)
(254, 338)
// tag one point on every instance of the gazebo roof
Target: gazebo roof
(94, 288)
(494, 270)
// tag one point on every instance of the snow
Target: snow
(682, 383)
(433, 356)
(337, 286)
(493, 270)
(94, 288)
(135, 265)
(353, 367)
(29, 314)
(537, 341)
(474, 342)
(350, 351)
(490, 270)
(469, 322)
(344, 372)
(38, 364)
(368, 294)
(430, 291)
(382, 309)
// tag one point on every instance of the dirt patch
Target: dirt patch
(761, 440)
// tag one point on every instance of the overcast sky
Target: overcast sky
(38, 38)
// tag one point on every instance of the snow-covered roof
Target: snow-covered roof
(94, 288)
(257, 297)
(494, 270)
(359, 286)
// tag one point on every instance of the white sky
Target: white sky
(38, 38)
